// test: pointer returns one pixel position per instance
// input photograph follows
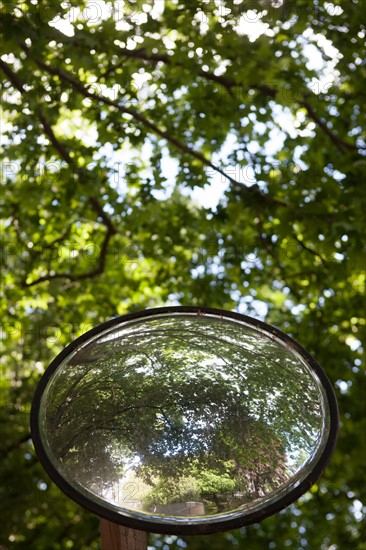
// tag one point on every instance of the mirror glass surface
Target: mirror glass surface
(184, 417)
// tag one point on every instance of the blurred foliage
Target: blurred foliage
(114, 115)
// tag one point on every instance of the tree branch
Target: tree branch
(81, 88)
(12, 76)
(97, 207)
(34, 250)
(336, 140)
(16, 444)
(230, 82)
(59, 146)
(63, 152)
(80, 277)
(111, 230)
(308, 249)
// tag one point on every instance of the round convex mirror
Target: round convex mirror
(184, 420)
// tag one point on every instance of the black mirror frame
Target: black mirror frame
(193, 528)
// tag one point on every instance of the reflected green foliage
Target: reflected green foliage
(189, 407)
(96, 224)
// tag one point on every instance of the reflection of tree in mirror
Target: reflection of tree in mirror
(196, 409)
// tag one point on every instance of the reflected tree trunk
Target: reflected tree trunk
(118, 537)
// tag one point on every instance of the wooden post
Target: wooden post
(117, 537)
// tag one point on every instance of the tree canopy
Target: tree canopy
(200, 153)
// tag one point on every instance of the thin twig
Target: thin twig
(308, 249)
